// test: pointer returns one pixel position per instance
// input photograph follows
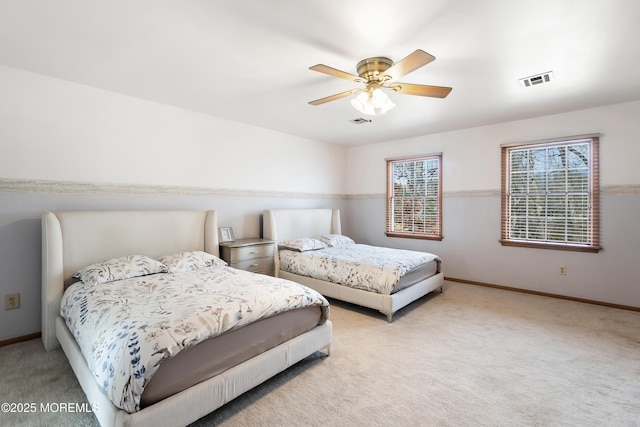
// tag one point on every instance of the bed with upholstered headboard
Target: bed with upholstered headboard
(73, 240)
(288, 225)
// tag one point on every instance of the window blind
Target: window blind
(550, 194)
(414, 197)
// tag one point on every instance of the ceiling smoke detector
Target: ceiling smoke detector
(537, 79)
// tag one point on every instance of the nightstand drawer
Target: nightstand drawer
(255, 265)
(255, 255)
(244, 253)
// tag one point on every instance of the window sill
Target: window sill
(413, 236)
(553, 246)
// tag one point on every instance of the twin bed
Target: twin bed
(160, 331)
(231, 335)
(296, 232)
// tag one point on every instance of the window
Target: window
(550, 194)
(414, 197)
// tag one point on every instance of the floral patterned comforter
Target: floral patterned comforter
(127, 327)
(370, 268)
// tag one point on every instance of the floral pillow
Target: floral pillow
(335, 240)
(190, 261)
(119, 268)
(302, 245)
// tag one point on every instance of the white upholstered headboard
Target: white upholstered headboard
(286, 224)
(72, 240)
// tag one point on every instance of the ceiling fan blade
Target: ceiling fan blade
(421, 90)
(321, 68)
(336, 96)
(408, 64)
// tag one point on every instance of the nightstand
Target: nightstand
(254, 255)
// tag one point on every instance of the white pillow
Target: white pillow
(118, 269)
(335, 240)
(302, 245)
(190, 261)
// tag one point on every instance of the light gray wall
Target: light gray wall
(471, 206)
(470, 249)
(20, 233)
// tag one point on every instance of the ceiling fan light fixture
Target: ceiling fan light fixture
(372, 102)
(379, 73)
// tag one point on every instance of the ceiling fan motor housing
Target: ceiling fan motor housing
(370, 69)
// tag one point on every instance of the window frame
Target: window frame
(593, 192)
(390, 196)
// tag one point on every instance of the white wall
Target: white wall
(57, 130)
(472, 156)
(65, 146)
(471, 205)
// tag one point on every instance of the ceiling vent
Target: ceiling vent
(537, 79)
(360, 121)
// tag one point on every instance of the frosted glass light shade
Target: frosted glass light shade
(372, 103)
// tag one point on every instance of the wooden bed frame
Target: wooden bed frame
(287, 224)
(71, 240)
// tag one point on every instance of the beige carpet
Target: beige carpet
(471, 356)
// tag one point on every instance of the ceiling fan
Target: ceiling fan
(379, 73)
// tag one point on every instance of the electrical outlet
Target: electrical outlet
(562, 270)
(11, 301)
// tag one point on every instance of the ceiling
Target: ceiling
(248, 60)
